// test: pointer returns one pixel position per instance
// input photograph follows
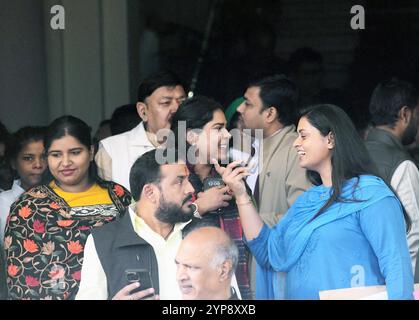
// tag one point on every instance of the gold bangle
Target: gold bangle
(249, 200)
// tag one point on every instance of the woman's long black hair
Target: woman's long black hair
(350, 157)
(78, 129)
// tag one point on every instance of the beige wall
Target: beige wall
(45, 73)
(87, 63)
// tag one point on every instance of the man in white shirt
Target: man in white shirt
(394, 109)
(146, 237)
(159, 96)
(6, 200)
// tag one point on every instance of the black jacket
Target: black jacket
(386, 151)
(120, 248)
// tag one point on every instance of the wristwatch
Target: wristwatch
(195, 208)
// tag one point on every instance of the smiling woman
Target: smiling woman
(207, 138)
(351, 218)
(49, 224)
(69, 162)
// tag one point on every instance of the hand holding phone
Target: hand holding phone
(139, 286)
(214, 196)
(139, 275)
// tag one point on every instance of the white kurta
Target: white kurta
(405, 181)
(6, 200)
(117, 154)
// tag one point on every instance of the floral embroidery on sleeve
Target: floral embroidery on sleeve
(44, 243)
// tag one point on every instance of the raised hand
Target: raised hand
(233, 176)
(213, 199)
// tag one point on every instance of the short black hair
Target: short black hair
(388, 98)
(21, 138)
(124, 118)
(155, 81)
(146, 169)
(281, 93)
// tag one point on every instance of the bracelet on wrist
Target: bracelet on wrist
(242, 203)
(195, 210)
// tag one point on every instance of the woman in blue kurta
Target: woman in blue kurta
(347, 231)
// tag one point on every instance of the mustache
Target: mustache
(188, 198)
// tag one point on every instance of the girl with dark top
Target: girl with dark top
(202, 124)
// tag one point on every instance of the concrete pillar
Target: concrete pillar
(87, 63)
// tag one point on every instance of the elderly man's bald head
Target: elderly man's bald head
(215, 242)
(206, 260)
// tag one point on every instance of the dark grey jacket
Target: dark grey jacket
(386, 151)
(120, 248)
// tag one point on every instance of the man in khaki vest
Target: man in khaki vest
(271, 106)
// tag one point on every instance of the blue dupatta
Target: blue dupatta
(294, 231)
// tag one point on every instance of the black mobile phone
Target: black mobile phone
(142, 276)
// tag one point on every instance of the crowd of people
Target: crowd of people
(163, 204)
